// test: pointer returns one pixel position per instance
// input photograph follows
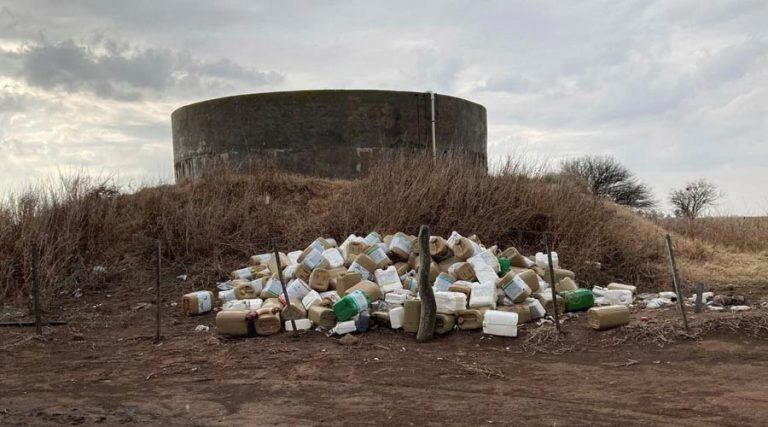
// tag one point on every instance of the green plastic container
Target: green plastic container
(578, 299)
(505, 266)
(352, 304)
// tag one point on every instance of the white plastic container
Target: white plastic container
(450, 302)
(396, 317)
(313, 259)
(543, 262)
(293, 257)
(301, 325)
(395, 298)
(257, 285)
(486, 257)
(273, 287)
(543, 284)
(443, 282)
(311, 298)
(483, 295)
(373, 238)
(242, 304)
(537, 310)
(388, 280)
(289, 273)
(345, 327)
(244, 273)
(334, 258)
(502, 323)
(331, 295)
(297, 289)
(483, 271)
(668, 295)
(227, 295)
(617, 297)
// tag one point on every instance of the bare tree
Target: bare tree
(605, 177)
(695, 198)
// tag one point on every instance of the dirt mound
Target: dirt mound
(212, 225)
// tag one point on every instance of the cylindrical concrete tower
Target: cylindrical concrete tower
(328, 133)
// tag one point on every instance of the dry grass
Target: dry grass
(743, 234)
(210, 226)
(663, 333)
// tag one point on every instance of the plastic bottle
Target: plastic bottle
(577, 300)
(362, 321)
(500, 323)
(412, 314)
(351, 305)
(397, 317)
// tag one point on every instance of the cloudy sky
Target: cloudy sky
(677, 90)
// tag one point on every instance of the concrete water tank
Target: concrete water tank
(328, 133)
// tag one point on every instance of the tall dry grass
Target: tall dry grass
(744, 234)
(211, 225)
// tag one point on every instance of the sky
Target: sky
(675, 90)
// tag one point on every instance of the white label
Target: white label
(334, 258)
(515, 288)
(400, 241)
(274, 287)
(203, 301)
(225, 296)
(372, 238)
(244, 273)
(313, 259)
(376, 254)
(482, 295)
(257, 285)
(311, 299)
(331, 295)
(357, 268)
(388, 280)
(360, 300)
(487, 258)
(442, 283)
(318, 246)
(298, 289)
(453, 239)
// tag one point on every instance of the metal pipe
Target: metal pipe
(432, 118)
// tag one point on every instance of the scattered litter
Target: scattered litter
(371, 281)
(726, 300)
(202, 328)
(99, 269)
(740, 308)
(658, 303)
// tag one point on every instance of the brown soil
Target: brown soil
(104, 368)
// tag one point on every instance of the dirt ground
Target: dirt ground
(104, 368)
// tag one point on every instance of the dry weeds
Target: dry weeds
(210, 226)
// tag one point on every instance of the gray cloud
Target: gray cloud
(116, 70)
(675, 89)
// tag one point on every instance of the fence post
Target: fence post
(36, 293)
(552, 283)
(158, 302)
